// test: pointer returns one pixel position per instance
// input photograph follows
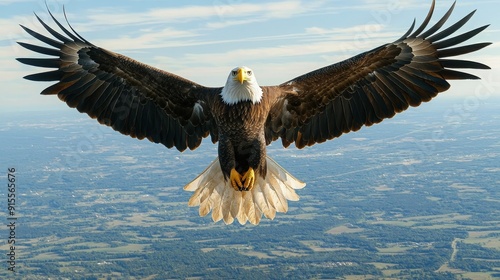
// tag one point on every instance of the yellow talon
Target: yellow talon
(242, 183)
(248, 179)
(235, 178)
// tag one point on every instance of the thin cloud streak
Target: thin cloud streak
(261, 11)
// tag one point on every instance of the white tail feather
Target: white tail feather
(280, 201)
(262, 203)
(225, 205)
(269, 195)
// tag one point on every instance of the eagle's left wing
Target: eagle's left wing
(372, 86)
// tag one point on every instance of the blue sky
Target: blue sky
(204, 40)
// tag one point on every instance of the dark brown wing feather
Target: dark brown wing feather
(372, 86)
(133, 98)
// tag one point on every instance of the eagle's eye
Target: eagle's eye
(234, 72)
(249, 73)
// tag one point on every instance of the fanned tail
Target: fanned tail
(269, 195)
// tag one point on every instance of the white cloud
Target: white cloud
(371, 28)
(11, 30)
(10, 68)
(7, 2)
(218, 11)
(147, 39)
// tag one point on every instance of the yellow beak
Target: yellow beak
(241, 76)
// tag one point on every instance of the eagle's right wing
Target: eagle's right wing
(131, 97)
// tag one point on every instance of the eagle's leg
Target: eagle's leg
(248, 180)
(236, 179)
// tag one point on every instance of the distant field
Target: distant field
(381, 206)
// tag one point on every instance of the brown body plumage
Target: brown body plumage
(242, 142)
(145, 102)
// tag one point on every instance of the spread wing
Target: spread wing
(371, 86)
(133, 98)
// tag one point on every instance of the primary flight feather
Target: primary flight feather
(243, 183)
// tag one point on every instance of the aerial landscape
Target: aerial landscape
(415, 197)
(412, 197)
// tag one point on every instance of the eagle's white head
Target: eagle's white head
(241, 85)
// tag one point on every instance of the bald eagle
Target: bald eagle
(243, 183)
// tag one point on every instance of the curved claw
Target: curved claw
(248, 179)
(235, 178)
